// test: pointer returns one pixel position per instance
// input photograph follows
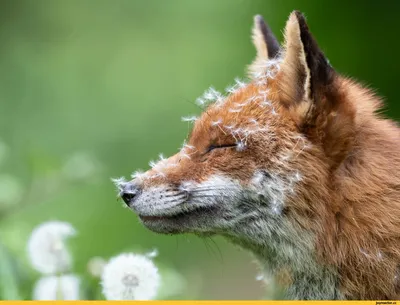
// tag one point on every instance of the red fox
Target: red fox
(294, 165)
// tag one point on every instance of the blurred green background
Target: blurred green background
(94, 89)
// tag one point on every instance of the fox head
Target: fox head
(253, 151)
(260, 157)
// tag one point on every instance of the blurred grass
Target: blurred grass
(112, 79)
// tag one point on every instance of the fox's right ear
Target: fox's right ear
(307, 86)
(304, 68)
(267, 46)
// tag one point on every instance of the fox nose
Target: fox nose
(129, 192)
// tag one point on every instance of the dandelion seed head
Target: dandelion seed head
(46, 247)
(51, 288)
(130, 277)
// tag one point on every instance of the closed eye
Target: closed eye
(212, 147)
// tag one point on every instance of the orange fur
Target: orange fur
(348, 155)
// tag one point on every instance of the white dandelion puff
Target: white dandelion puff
(65, 287)
(189, 118)
(130, 277)
(46, 247)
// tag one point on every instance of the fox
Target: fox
(296, 164)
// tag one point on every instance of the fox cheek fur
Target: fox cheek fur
(295, 166)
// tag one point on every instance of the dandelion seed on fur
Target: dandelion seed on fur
(119, 184)
(130, 276)
(240, 146)
(138, 175)
(189, 118)
(217, 122)
(47, 249)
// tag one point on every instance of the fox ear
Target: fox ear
(267, 46)
(304, 69)
(307, 86)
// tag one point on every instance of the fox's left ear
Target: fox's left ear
(267, 46)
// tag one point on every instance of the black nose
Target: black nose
(129, 193)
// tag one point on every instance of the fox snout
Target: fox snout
(129, 192)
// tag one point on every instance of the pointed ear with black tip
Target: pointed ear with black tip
(304, 68)
(267, 46)
(307, 86)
